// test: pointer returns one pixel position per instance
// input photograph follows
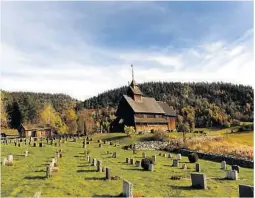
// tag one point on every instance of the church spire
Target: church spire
(132, 72)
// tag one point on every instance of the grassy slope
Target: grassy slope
(77, 177)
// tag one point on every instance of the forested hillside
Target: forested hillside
(197, 104)
(57, 110)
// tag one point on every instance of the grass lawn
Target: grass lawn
(78, 178)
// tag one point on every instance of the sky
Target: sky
(85, 48)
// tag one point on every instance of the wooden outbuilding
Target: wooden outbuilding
(25, 131)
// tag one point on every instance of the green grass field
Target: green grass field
(78, 178)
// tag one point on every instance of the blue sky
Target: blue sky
(84, 48)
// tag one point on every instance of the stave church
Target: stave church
(143, 113)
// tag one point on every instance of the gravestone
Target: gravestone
(26, 153)
(143, 155)
(151, 167)
(169, 155)
(179, 156)
(127, 189)
(246, 191)
(114, 155)
(223, 165)
(94, 162)
(18, 144)
(10, 159)
(40, 144)
(232, 175)
(184, 166)
(198, 180)
(37, 195)
(60, 155)
(100, 145)
(88, 158)
(107, 173)
(48, 171)
(5, 161)
(159, 154)
(15, 143)
(198, 168)
(127, 160)
(103, 169)
(34, 144)
(137, 163)
(235, 167)
(104, 141)
(175, 163)
(154, 158)
(98, 141)
(164, 155)
(131, 161)
(99, 164)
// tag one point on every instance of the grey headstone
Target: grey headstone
(137, 163)
(154, 158)
(169, 155)
(127, 189)
(132, 161)
(232, 175)
(151, 167)
(198, 180)
(223, 165)
(99, 166)
(198, 168)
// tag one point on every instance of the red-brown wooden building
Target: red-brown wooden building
(143, 113)
(34, 132)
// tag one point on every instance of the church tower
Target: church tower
(133, 90)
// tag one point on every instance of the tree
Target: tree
(16, 118)
(3, 115)
(71, 120)
(129, 130)
(48, 116)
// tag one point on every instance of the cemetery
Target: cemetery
(99, 166)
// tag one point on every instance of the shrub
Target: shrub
(226, 124)
(138, 194)
(145, 163)
(160, 135)
(193, 157)
(129, 130)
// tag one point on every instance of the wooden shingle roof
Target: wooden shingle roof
(169, 110)
(148, 105)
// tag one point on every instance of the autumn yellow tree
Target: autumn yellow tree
(48, 116)
(3, 114)
(71, 120)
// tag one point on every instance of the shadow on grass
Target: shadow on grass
(45, 164)
(19, 155)
(81, 171)
(144, 139)
(39, 171)
(96, 195)
(95, 178)
(115, 138)
(182, 187)
(34, 177)
(133, 169)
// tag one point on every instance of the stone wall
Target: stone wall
(158, 145)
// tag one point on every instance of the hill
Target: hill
(24, 107)
(199, 104)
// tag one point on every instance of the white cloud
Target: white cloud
(55, 58)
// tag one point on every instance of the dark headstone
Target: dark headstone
(40, 144)
(235, 167)
(107, 173)
(34, 144)
(246, 191)
(198, 168)
(198, 180)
